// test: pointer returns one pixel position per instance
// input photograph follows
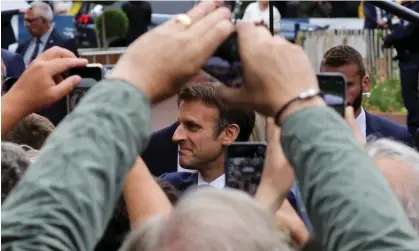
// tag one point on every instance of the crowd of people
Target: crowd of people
(99, 179)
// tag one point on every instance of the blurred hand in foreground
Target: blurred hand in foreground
(162, 60)
(40, 85)
(275, 71)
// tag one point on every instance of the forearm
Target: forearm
(11, 113)
(67, 196)
(143, 196)
(349, 202)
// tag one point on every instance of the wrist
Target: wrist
(269, 197)
(298, 105)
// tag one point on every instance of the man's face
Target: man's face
(198, 142)
(35, 25)
(355, 86)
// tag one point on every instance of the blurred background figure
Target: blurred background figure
(38, 21)
(139, 16)
(376, 18)
(258, 12)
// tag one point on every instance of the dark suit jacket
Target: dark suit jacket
(405, 37)
(139, 16)
(13, 62)
(378, 127)
(184, 180)
(370, 14)
(57, 111)
(161, 154)
(55, 39)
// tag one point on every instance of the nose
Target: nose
(179, 134)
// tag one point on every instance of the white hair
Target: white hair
(210, 219)
(398, 151)
(42, 10)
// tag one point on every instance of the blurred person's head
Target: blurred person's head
(263, 3)
(38, 18)
(14, 163)
(171, 192)
(119, 225)
(348, 61)
(400, 165)
(32, 131)
(209, 219)
(206, 126)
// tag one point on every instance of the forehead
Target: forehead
(197, 112)
(349, 70)
(29, 13)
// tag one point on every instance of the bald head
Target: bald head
(400, 166)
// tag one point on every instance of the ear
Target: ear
(366, 81)
(230, 134)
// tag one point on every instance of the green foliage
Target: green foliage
(385, 97)
(116, 23)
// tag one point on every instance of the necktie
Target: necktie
(36, 50)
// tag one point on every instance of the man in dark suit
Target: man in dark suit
(348, 61)
(405, 39)
(38, 21)
(376, 18)
(160, 144)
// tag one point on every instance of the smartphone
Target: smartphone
(90, 74)
(243, 166)
(333, 87)
(224, 65)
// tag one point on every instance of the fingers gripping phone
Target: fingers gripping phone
(244, 162)
(224, 66)
(333, 87)
(90, 74)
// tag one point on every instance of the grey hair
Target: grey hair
(210, 219)
(399, 151)
(14, 163)
(43, 10)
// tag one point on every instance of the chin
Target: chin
(187, 164)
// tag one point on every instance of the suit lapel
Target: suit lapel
(52, 40)
(373, 127)
(22, 49)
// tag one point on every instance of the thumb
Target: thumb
(65, 87)
(230, 96)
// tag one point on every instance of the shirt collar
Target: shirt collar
(361, 122)
(218, 183)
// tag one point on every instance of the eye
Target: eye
(192, 126)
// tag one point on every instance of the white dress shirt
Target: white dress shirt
(253, 13)
(218, 183)
(361, 122)
(29, 51)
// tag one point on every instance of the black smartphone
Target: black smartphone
(333, 87)
(90, 74)
(244, 163)
(224, 65)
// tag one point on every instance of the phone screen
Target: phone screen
(333, 87)
(244, 165)
(90, 75)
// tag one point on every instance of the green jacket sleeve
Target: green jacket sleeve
(348, 199)
(67, 196)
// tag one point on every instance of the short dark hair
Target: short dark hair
(205, 92)
(32, 131)
(343, 54)
(14, 163)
